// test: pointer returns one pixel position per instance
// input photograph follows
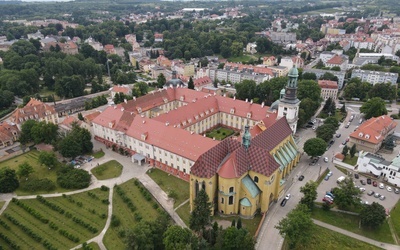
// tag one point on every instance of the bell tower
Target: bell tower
(288, 103)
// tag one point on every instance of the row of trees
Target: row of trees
(355, 88)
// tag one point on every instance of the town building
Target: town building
(288, 62)
(282, 37)
(9, 134)
(329, 89)
(251, 48)
(340, 61)
(236, 73)
(95, 45)
(72, 106)
(68, 47)
(269, 60)
(379, 166)
(375, 77)
(34, 110)
(124, 89)
(167, 128)
(371, 134)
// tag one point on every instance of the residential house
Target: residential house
(269, 60)
(370, 135)
(70, 107)
(375, 77)
(340, 61)
(251, 48)
(320, 72)
(9, 134)
(158, 38)
(109, 49)
(124, 89)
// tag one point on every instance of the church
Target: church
(241, 174)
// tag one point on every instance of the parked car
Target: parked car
(301, 177)
(371, 192)
(283, 203)
(377, 195)
(326, 177)
(326, 159)
(347, 125)
(330, 194)
(328, 197)
(327, 200)
(396, 191)
(344, 142)
(369, 181)
(338, 135)
(330, 173)
(287, 197)
(363, 182)
(332, 142)
(381, 186)
(382, 197)
(356, 176)
(389, 189)
(362, 189)
(374, 183)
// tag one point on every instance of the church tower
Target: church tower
(288, 103)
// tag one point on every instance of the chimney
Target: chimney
(125, 101)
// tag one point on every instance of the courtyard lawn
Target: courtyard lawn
(98, 154)
(250, 224)
(169, 183)
(351, 161)
(395, 218)
(108, 170)
(351, 223)
(145, 211)
(327, 239)
(40, 171)
(220, 133)
(184, 213)
(83, 216)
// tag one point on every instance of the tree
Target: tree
(239, 223)
(353, 150)
(315, 147)
(372, 216)
(161, 80)
(345, 150)
(190, 83)
(236, 239)
(343, 108)
(8, 179)
(76, 142)
(179, 238)
(327, 104)
(329, 76)
(333, 121)
(347, 195)
(310, 194)
(309, 89)
(48, 159)
(326, 131)
(71, 178)
(200, 217)
(374, 107)
(26, 128)
(138, 237)
(297, 227)
(80, 116)
(24, 170)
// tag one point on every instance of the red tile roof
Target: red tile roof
(374, 130)
(91, 116)
(336, 59)
(202, 81)
(6, 132)
(326, 84)
(121, 89)
(33, 110)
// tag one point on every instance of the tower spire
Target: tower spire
(246, 137)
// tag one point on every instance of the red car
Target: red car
(374, 183)
(327, 200)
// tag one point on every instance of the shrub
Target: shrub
(68, 235)
(122, 233)
(103, 216)
(38, 185)
(137, 216)
(53, 206)
(71, 178)
(172, 194)
(115, 222)
(30, 210)
(104, 188)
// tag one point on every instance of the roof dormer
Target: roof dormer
(360, 134)
(367, 136)
(232, 111)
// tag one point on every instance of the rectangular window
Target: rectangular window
(222, 200)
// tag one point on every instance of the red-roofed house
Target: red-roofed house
(340, 61)
(34, 110)
(199, 83)
(328, 89)
(269, 60)
(109, 49)
(8, 134)
(158, 38)
(370, 135)
(124, 89)
(166, 129)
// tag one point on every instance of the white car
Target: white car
(381, 186)
(362, 189)
(330, 173)
(326, 159)
(389, 189)
(287, 197)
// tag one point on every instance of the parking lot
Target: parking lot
(389, 202)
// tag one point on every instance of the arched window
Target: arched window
(231, 189)
(230, 200)
(256, 179)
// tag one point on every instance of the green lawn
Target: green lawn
(170, 182)
(351, 161)
(220, 133)
(184, 213)
(146, 209)
(92, 245)
(322, 176)
(344, 171)
(395, 218)
(40, 172)
(351, 223)
(108, 170)
(338, 115)
(98, 154)
(327, 239)
(243, 58)
(249, 224)
(89, 209)
(2, 204)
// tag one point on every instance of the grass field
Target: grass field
(89, 209)
(40, 172)
(108, 170)
(169, 182)
(98, 154)
(92, 245)
(327, 239)
(243, 58)
(2, 204)
(184, 213)
(220, 133)
(146, 209)
(351, 223)
(249, 224)
(351, 161)
(395, 218)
